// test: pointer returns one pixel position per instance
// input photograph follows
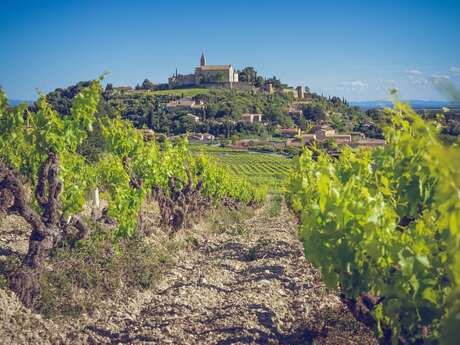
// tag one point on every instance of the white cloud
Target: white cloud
(419, 81)
(454, 71)
(416, 77)
(354, 84)
(414, 72)
(439, 78)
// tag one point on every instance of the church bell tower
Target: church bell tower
(202, 60)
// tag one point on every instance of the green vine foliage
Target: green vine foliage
(125, 168)
(386, 223)
(27, 137)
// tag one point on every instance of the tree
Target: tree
(302, 123)
(259, 81)
(148, 85)
(314, 113)
(248, 74)
(336, 101)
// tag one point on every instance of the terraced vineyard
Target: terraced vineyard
(259, 168)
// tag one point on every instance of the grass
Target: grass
(274, 206)
(224, 219)
(182, 92)
(78, 278)
(258, 168)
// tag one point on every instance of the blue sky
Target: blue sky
(355, 49)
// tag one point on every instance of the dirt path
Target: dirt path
(249, 284)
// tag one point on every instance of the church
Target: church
(206, 75)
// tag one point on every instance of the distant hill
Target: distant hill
(416, 104)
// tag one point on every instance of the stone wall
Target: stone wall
(243, 86)
(182, 80)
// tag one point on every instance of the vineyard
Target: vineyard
(260, 169)
(62, 160)
(384, 226)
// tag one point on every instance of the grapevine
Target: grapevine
(383, 226)
(48, 154)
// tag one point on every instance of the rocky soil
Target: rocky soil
(247, 284)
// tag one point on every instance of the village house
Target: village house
(186, 103)
(269, 88)
(354, 139)
(194, 118)
(203, 137)
(323, 132)
(251, 118)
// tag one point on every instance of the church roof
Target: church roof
(215, 67)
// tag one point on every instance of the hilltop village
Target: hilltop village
(239, 108)
(207, 75)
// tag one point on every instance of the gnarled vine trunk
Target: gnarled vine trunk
(181, 206)
(48, 229)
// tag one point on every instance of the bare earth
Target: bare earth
(248, 284)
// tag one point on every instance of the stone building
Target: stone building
(354, 139)
(251, 118)
(193, 117)
(206, 74)
(186, 103)
(270, 88)
(300, 92)
(205, 137)
(323, 132)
